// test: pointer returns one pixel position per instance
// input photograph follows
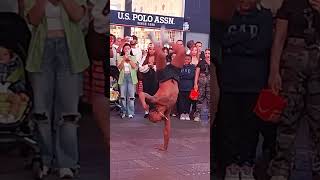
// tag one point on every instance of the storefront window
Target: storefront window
(143, 40)
(118, 31)
(160, 7)
(118, 5)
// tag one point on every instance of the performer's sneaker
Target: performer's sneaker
(187, 117)
(123, 116)
(164, 39)
(152, 37)
(183, 117)
(130, 116)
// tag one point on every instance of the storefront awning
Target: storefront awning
(126, 18)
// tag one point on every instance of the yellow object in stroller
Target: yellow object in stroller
(114, 94)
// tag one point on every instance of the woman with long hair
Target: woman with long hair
(194, 60)
(148, 74)
(202, 83)
(195, 55)
(128, 79)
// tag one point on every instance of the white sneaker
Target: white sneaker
(45, 171)
(66, 173)
(196, 119)
(278, 178)
(123, 116)
(182, 117)
(187, 117)
(130, 116)
(164, 39)
(152, 37)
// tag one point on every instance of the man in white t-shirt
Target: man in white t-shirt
(137, 52)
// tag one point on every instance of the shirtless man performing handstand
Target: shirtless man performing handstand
(160, 105)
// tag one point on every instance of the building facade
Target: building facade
(183, 19)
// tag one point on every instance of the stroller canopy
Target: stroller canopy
(15, 33)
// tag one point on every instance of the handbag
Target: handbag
(269, 105)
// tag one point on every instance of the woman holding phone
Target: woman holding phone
(55, 64)
(128, 67)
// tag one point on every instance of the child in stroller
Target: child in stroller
(114, 94)
(13, 98)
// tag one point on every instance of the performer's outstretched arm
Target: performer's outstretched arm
(166, 132)
(146, 97)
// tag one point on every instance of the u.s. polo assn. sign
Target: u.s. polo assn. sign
(149, 20)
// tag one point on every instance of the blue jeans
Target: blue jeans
(127, 92)
(56, 93)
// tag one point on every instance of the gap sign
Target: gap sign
(148, 20)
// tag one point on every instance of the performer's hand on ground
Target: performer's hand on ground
(160, 147)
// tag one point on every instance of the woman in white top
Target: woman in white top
(128, 79)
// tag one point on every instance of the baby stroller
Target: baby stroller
(17, 128)
(114, 95)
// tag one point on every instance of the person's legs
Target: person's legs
(293, 90)
(207, 95)
(228, 129)
(181, 102)
(269, 133)
(249, 134)
(202, 95)
(67, 93)
(123, 95)
(188, 102)
(43, 88)
(313, 111)
(131, 97)
(228, 135)
(249, 128)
